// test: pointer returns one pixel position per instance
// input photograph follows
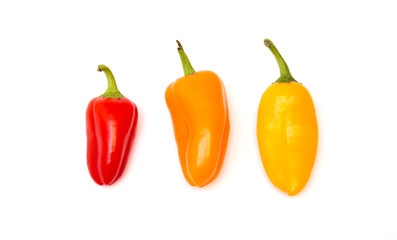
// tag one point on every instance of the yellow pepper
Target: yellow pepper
(287, 130)
(199, 111)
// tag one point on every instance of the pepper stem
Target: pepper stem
(187, 66)
(112, 91)
(286, 76)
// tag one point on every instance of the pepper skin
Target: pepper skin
(111, 125)
(199, 111)
(287, 130)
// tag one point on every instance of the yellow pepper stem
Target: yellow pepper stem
(286, 76)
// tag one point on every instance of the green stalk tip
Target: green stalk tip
(179, 45)
(267, 42)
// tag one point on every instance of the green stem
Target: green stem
(286, 76)
(187, 66)
(112, 91)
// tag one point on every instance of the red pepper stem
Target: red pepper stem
(286, 76)
(112, 91)
(187, 66)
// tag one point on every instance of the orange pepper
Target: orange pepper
(287, 130)
(199, 111)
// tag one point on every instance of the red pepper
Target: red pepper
(111, 125)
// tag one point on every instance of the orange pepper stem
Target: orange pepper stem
(286, 76)
(187, 66)
(112, 91)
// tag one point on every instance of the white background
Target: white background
(344, 52)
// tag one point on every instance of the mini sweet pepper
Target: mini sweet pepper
(199, 111)
(111, 125)
(287, 130)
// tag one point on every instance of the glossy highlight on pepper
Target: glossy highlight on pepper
(200, 116)
(287, 130)
(111, 121)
